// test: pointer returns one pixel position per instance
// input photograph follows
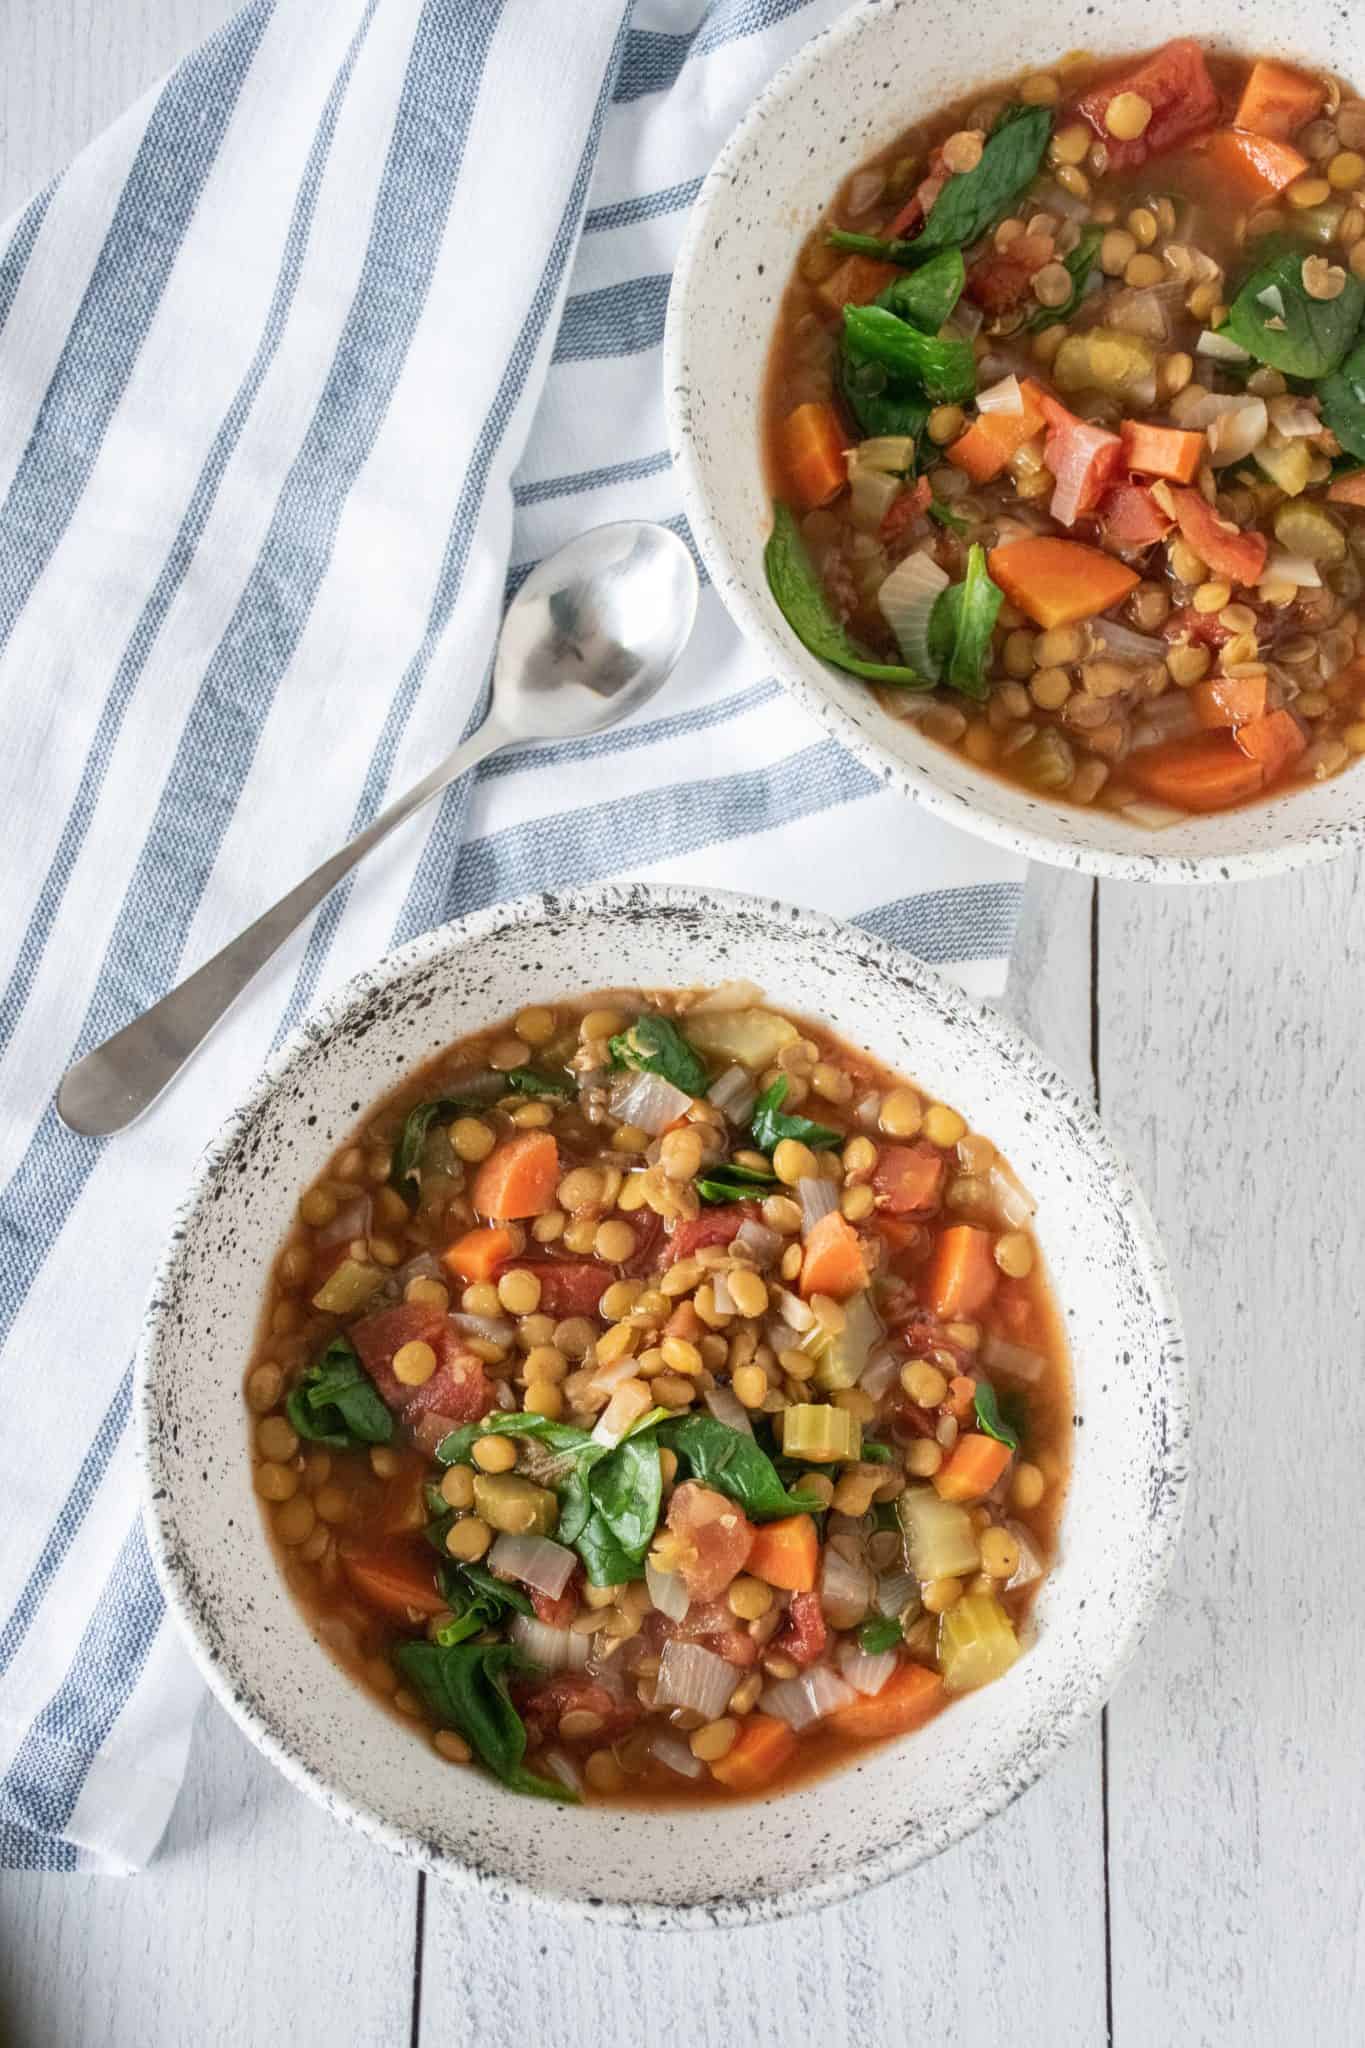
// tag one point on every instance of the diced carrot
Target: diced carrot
(1348, 489)
(813, 451)
(834, 1262)
(1272, 742)
(909, 1697)
(684, 1322)
(758, 1753)
(1161, 451)
(1229, 700)
(478, 1254)
(1205, 773)
(1176, 85)
(519, 1178)
(961, 1396)
(1057, 582)
(963, 1275)
(397, 1577)
(1130, 517)
(1252, 164)
(1228, 552)
(1277, 101)
(856, 282)
(786, 1554)
(972, 1467)
(994, 438)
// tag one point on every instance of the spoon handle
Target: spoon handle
(112, 1085)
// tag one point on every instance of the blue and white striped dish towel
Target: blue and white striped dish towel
(338, 329)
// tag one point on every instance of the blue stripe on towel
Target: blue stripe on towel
(633, 471)
(619, 320)
(654, 58)
(626, 213)
(975, 922)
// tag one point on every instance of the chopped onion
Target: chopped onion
(505, 1397)
(1126, 645)
(817, 1198)
(894, 453)
(1194, 408)
(1221, 347)
(762, 1244)
(871, 494)
(475, 1084)
(1293, 417)
(1282, 567)
(728, 995)
(905, 600)
(1272, 298)
(1155, 817)
(801, 1702)
(845, 1589)
(553, 1649)
(866, 1674)
(535, 1560)
(563, 1768)
(1016, 1361)
(692, 1677)
(868, 1112)
(726, 1406)
(795, 1313)
(1030, 1565)
(492, 1329)
(724, 1300)
(967, 319)
(895, 1592)
(626, 1405)
(1171, 717)
(865, 188)
(1006, 396)
(1233, 435)
(649, 1102)
(667, 1591)
(609, 1377)
(734, 1095)
(880, 1372)
(1013, 1200)
(426, 1266)
(352, 1220)
(1146, 311)
(675, 1755)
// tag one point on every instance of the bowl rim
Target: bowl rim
(1323, 842)
(614, 899)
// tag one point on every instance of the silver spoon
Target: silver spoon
(590, 636)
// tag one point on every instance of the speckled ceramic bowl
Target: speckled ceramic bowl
(881, 66)
(711, 1865)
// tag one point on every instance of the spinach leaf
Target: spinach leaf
(802, 602)
(1014, 1409)
(961, 625)
(1300, 336)
(770, 1126)
(528, 1081)
(465, 1686)
(975, 200)
(1079, 264)
(336, 1403)
(904, 253)
(879, 403)
(626, 1490)
(988, 1416)
(654, 1045)
(733, 1464)
(476, 1600)
(405, 1172)
(458, 1447)
(882, 1634)
(731, 1183)
(926, 297)
(952, 520)
(944, 370)
(873, 1453)
(1343, 402)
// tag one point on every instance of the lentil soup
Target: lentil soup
(1065, 425)
(658, 1397)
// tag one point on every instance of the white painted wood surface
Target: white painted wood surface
(1192, 1877)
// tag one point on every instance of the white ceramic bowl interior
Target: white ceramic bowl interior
(891, 1807)
(846, 95)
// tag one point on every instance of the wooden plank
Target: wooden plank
(258, 1910)
(1231, 1074)
(1011, 1923)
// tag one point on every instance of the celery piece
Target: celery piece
(976, 1642)
(940, 1538)
(1311, 531)
(821, 1435)
(842, 1355)
(348, 1287)
(1104, 359)
(508, 1502)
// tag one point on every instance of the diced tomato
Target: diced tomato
(714, 1535)
(1204, 627)
(568, 1287)
(1130, 517)
(906, 511)
(715, 1226)
(1083, 459)
(1176, 85)
(397, 1575)
(544, 1703)
(559, 1612)
(1000, 281)
(1227, 551)
(803, 1634)
(710, 1623)
(908, 1178)
(459, 1387)
(920, 204)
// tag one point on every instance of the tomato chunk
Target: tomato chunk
(803, 1634)
(459, 1387)
(1176, 85)
(710, 1623)
(714, 1537)
(716, 1226)
(568, 1287)
(1130, 517)
(543, 1705)
(559, 1612)
(1228, 552)
(908, 1178)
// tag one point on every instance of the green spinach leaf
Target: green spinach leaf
(988, 1416)
(476, 1600)
(1079, 263)
(529, 1081)
(1343, 402)
(770, 1125)
(405, 1173)
(1273, 318)
(734, 1465)
(458, 1447)
(654, 1045)
(952, 520)
(944, 370)
(926, 297)
(873, 1453)
(879, 403)
(961, 625)
(882, 1634)
(974, 201)
(801, 600)
(465, 1686)
(731, 1183)
(626, 1490)
(335, 1402)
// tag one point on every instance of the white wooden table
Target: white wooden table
(1192, 1872)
